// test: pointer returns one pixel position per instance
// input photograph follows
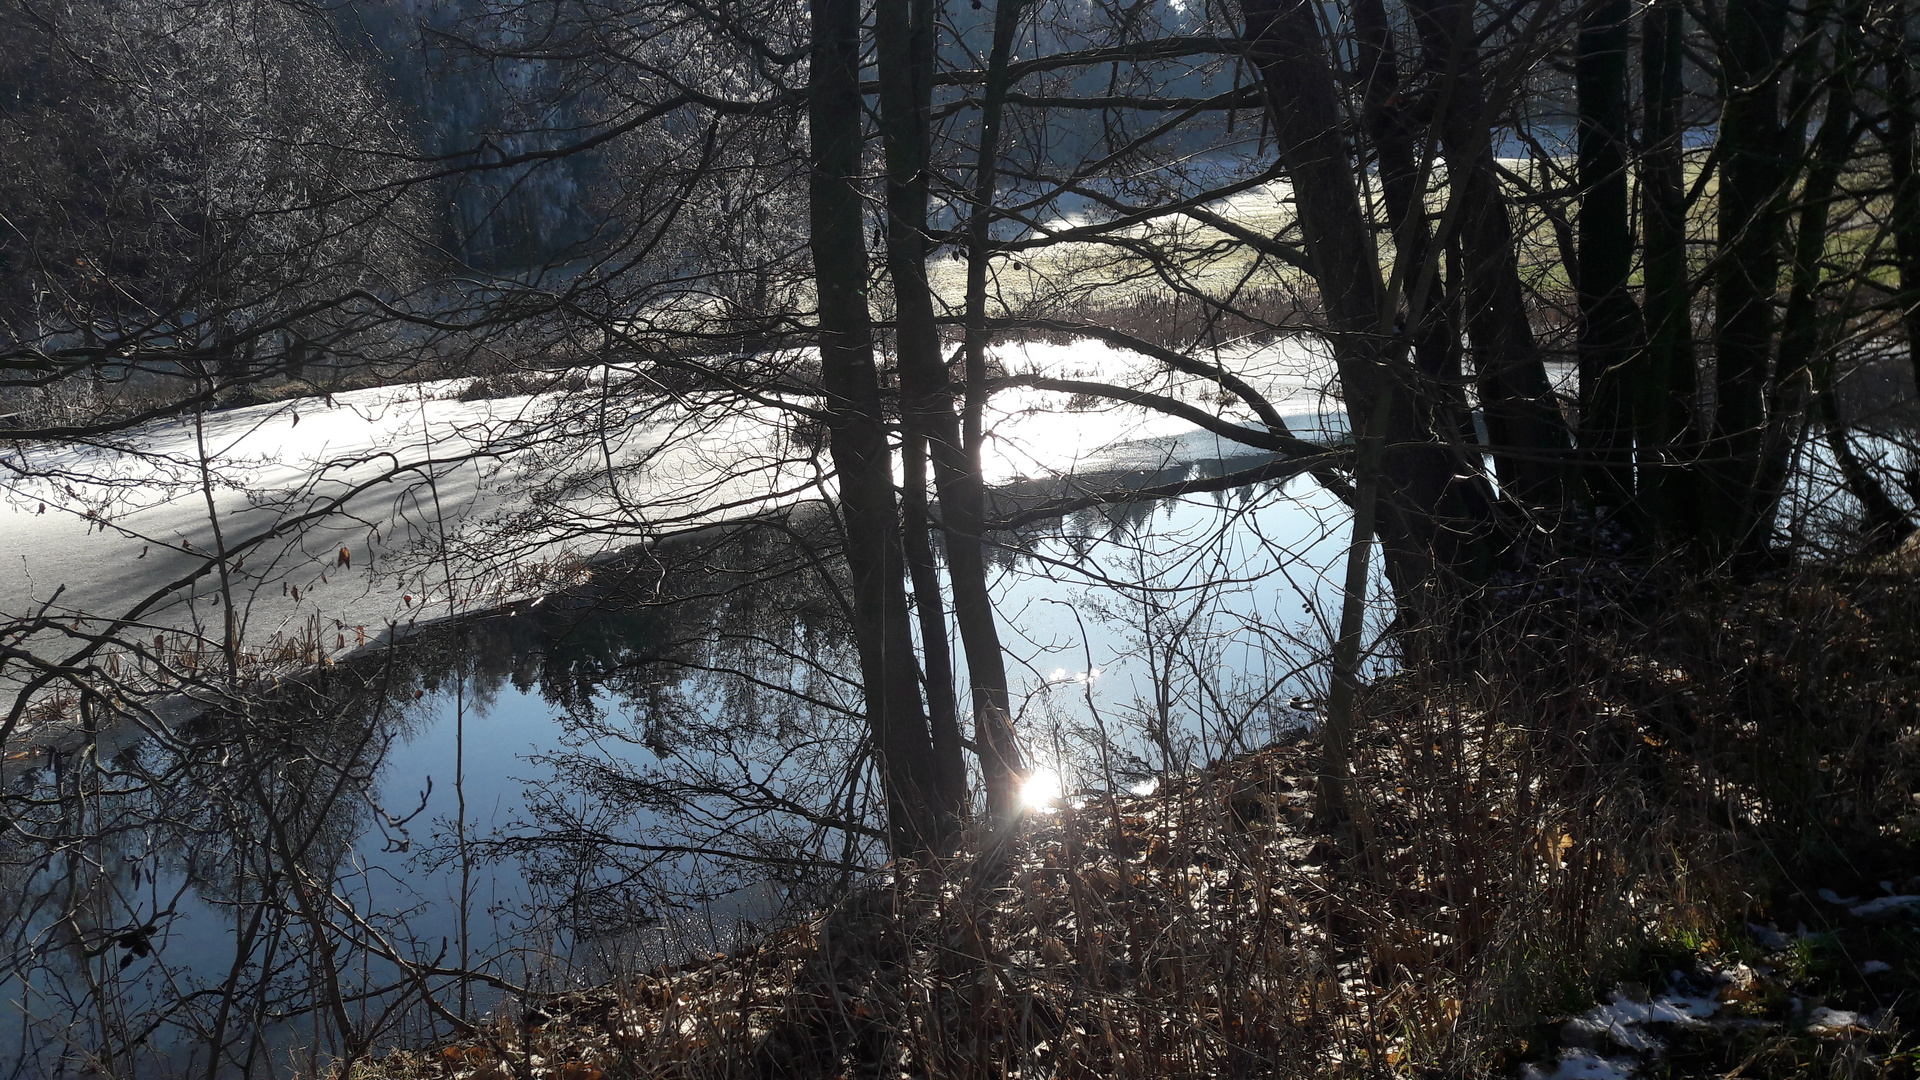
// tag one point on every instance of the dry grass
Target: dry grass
(1616, 776)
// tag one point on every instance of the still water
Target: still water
(612, 779)
(629, 774)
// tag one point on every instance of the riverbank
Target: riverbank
(1672, 838)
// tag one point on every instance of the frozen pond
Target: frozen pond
(615, 776)
(350, 517)
(621, 774)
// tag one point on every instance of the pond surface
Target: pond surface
(612, 779)
(630, 774)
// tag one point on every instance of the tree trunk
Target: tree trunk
(857, 437)
(1663, 384)
(904, 40)
(1883, 522)
(1906, 185)
(1747, 268)
(1426, 522)
(1528, 436)
(904, 44)
(965, 516)
(950, 767)
(1805, 365)
(1385, 118)
(1609, 319)
(1790, 390)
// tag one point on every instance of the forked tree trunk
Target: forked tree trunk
(857, 437)
(1790, 390)
(936, 662)
(965, 515)
(1387, 121)
(1431, 530)
(1529, 438)
(1805, 366)
(904, 41)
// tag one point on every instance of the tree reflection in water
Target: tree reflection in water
(285, 880)
(222, 895)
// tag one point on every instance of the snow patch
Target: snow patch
(1886, 905)
(1824, 1021)
(1623, 1020)
(1624, 1023)
(1579, 1064)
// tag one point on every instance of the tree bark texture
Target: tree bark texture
(936, 660)
(1790, 391)
(857, 434)
(1901, 108)
(993, 729)
(1430, 320)
(904, 44)
(1747, 265)
(1431, 531)
(1665, 381)
(1528, 436)
(1609, 319)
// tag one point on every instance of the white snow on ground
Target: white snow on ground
(1872, 909)
(1626, 1037)
(1824, 1021)
(1578, 1064)
(404, 480)
(1885, 905)
(1618, 1039)
(1623, 1020)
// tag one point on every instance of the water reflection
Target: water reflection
(610, 778)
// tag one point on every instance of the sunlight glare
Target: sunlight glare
(1041, 790)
